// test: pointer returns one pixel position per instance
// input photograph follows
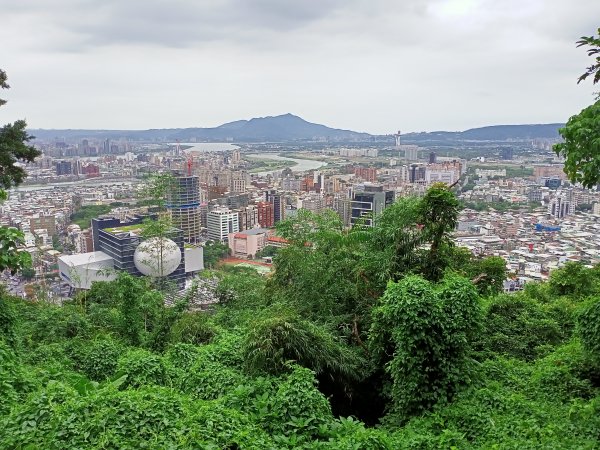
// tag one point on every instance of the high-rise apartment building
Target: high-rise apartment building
(278, 201)
(248, 217)
(366, 173)
(266, 216)
(343, 206)
(411, 152)
(313, 202)
(417, 173)
(221, 222)
(561, 206)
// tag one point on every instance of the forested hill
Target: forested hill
(390, 326)
(283, 128)
(492, 133)
(505, 132)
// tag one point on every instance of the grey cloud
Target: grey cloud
(362, 64)
(185, 23)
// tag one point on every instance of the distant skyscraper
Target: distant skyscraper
(432, 158)
(411, 152)
(64, 168)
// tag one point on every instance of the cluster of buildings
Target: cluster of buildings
(214, 196)
(531, 244)
(536, 223)
(59, 148)
(43, 215)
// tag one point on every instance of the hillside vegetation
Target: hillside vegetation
(376, 338)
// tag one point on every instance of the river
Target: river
(302, 165)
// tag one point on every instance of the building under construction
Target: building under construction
(184, 205)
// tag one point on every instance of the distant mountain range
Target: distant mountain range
(290, 128)
(493, 133)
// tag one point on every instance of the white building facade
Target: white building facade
(221, 222)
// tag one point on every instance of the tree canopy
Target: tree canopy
(13, 148)
(593, 42)
(581, 134)
(347, 333)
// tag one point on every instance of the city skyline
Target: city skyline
(372, 67)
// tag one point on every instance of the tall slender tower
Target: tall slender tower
(397, 137)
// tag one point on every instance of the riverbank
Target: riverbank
(305, 156)
(265, 164)
(299, 165)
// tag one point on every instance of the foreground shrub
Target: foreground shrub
(142, 368)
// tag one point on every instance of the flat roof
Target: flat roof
(255, 231)
(137, 228)
(85, 258)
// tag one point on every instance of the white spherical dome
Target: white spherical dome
(157, 257)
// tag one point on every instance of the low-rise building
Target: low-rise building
(245, 244)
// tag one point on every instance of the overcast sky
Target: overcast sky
(366, 65)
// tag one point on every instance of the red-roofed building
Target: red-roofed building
(277, 241)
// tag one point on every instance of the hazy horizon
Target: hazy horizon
(375, 67)
(359, 131)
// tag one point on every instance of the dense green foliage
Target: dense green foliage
(422, 335)
(593, 42)
(501, 206)
(581, 134)
(10, 257)
(213, 252)
(581, 146)
(13, 149)
(269, 250)
(354, 342)
(84, 215)
(589, 328)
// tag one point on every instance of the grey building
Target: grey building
(120, 239)
(368, 202)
